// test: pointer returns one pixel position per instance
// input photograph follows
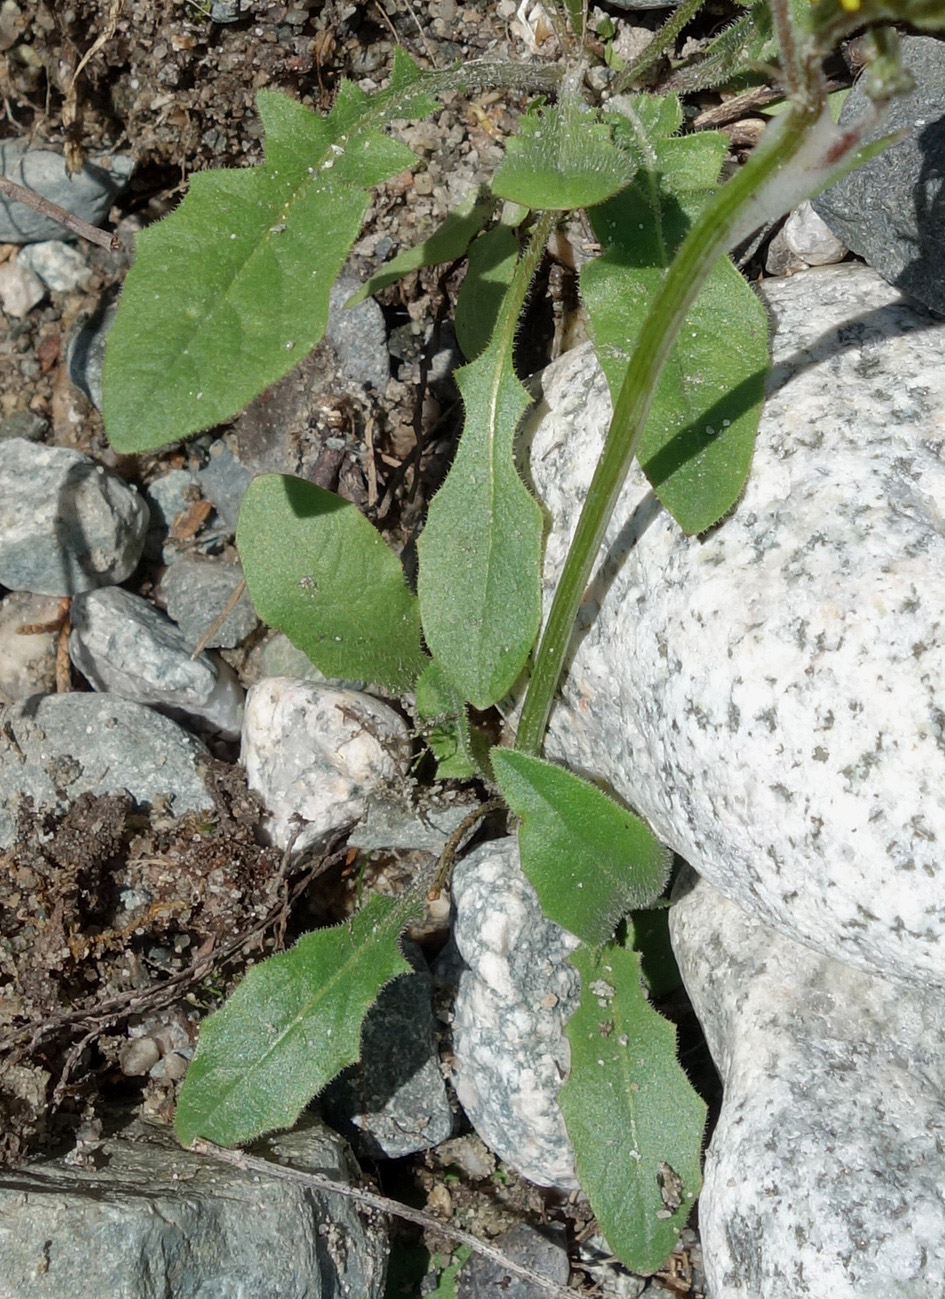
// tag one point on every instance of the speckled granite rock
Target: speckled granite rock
(154, 1219)
(889, 211)
(768, 696)
(545, 1251)
(824, 1176)
(122, 644)
(55, 747)
(516, 989)
(316, 753)
(197, 589)
(393, 1102)
(66, 523)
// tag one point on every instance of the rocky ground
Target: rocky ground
(120, 928)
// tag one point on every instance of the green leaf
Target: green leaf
(291, 1025)
(437, 702)
(589, 860)
(492, 261)
(739, 49)
(632, 1116)
(318, 571)
(697, 446)
(448, 242)
(480, 552)
(563, 157)
(231, 290)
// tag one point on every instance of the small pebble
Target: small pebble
(27, 662)
(61, 267)
(20, 290)
(197, 590)
(88, 193)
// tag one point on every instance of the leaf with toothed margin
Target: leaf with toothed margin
(231, 290)
(291, 1025)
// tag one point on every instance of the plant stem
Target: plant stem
(711, 235)
(661, 41)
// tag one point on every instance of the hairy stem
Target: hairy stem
(662, 39)
(714, 232)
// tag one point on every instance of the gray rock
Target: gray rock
(27, 663)
(781, 259)
(223, 480)
(66, 523)
(60, 266)
(890, 210)
(767, 695)
(810, 238)
(394, 821)
(611, 1279)
(315, 754)
(359, 336)
(55, 747)
(394, 1102)
(88, 194)
(824, 1175)
(167, 497)
(516, 989)
(20, 290)
(123, 645)
(24, 424)
(85, 350)
(544, 1250)
(157, 1220)
(197, 590)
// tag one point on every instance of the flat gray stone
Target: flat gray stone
(545, 1251)
(394, 1101)
(516, 989)
(768, 695)
(197, 591)
(55, 747)
(315, 754)
(88, 194)
(890, 210)
(66, 523)
(359, 336)
(154, 1219)
(824, 1176)
(123, 645)
(223, 480)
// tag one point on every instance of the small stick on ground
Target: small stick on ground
(381, 1203)
(29, 198)
(220, 619)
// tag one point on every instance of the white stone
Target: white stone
(66, 523)
(20, 290)
(824, 1176)
(60, 266)
(123, 645)
(27, 662)
(315, 754)
(770, 696)
(809, 236)
(515, 990)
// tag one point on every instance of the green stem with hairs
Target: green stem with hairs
(710, 236)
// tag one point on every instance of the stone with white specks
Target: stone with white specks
(515, 990)
(824, 1176)
(771, 696)
(811, 239)
(60, 266)
(66, 523)
(316, 753)
(123, 645)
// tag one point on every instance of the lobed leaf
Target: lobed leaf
(231, 290)
(291, 1025)
(697, 446)
(448, 242)
(589, 860)
(634, 1120)
(317, 570)
(563, 157)
(480, 552)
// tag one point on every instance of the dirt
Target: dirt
(119, 929)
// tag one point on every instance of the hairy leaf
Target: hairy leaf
(632, 1116)
(291, 1025)
(738, 49)
(318, 571)
(491, 265)
(589, 860)
(447, 732)
(448, 242)
(697, 446)
(563, 157)
(231, 290)
(480, 551)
